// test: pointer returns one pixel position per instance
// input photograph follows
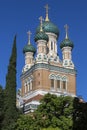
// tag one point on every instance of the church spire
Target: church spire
(47, 8)
(41, 22)
(29, 34)
(66, 30)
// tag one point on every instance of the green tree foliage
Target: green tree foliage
(54, 113)
(80, 115)
(10, 111)
(27, 122)
(24, 122)
(50, 128)
(1, 105)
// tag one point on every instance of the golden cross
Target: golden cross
(41, 21)
(47, 8)
(66, 29)
(29, 34)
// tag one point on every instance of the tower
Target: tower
(46, 73)
(29, 51)
(41, 39)
(66, 47)
(53, 33)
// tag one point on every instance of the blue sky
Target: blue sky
(20, 16)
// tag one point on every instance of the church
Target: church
(44, 72)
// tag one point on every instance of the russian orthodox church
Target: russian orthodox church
(46, 72)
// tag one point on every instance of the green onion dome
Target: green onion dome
(48, 27)
(41, 36)
(29, 48)
(66, 43)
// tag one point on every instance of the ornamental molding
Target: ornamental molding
(58, 77)
(49, 68)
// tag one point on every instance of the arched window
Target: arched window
(64, 82)
(28, 87)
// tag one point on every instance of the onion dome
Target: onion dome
(48, 26)
(29, 47)
(66, 42)
(41, 35)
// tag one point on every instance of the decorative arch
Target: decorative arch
(58, 77)
(64, 78)
(52, 76)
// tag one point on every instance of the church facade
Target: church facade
(46, 72)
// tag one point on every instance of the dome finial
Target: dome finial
(29, 34)
(66, 30)
(41, 21)
(47, 8)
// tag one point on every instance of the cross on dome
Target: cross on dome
(66, 30)
(47, 8)
(41, 21)
(29, 34)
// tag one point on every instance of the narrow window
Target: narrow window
(64, 84)
(25, 87)
(51, 45)
(30, 85)
(52, 83)
(58, 84)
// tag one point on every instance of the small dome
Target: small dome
(41, 36)
(48, 27)
(66, 42)
(29, 48)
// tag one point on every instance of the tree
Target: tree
(51, 128)
(24, 122)
(10, 111)
(1, 105)
(54, 113)
(79, 115)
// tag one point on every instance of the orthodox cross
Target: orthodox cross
(41, 22)
(66, 29)
(29, 34)
(47, 8)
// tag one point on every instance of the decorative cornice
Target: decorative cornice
(47, 67)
